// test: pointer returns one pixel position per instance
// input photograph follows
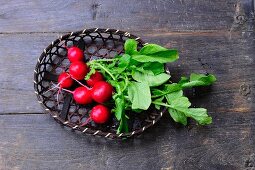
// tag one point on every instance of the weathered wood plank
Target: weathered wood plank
(228, 54)
(230, 58)
(212, 36)
(37, 142)
(175, 15)
(19, 55)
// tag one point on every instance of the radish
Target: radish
(101, 91)
(78, 70)
(75, 54)
(100, 114)
(96, 77)
(81, 95)
(65, 80)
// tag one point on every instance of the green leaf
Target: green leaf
(197, 80)
(155, 67)
(173, 96)
(178, 116)
(157, 93)
(152, 49)
(139, 95)
(150, 78)
(206, 79)
(133, 62)
(179, 109)
(118, 99)
(200, 115)
(120, 106)
(160, 101)
(123, 127)
(161, 57)
(180, 102)
(123, 63)
(130, 46)
(156, 53)
(183, 80)
(168, 88)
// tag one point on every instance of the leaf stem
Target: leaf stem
(106, 70)
(162, 104)
(156, 96)
(104, 59)
(126, 83)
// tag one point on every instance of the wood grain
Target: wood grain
(227, 53)
(230, 59)
(59, 16)
(212, 37)
(19, 55)
(37, 142)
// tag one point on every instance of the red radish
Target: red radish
(78, 70)
(75, 54)
(81, 95)
(100, 114)
(65, 80)
(101, 91)
(96, 77)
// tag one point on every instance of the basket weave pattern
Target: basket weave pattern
(96, 43)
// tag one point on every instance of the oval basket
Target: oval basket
(96, 43)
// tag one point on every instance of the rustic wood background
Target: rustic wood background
(212, 36)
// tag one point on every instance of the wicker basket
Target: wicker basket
(96, 43)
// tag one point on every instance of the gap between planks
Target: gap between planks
(151, 32)
(23, 113)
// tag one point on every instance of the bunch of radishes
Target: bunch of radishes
(97, 90)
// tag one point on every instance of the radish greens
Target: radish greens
(140, 82)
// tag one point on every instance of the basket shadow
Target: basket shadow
(162, 130)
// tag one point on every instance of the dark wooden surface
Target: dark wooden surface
(212, 36)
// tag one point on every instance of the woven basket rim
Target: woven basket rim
(86, 129)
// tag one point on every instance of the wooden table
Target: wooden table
(212, 36)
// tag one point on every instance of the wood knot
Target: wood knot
(94, 8)
(204, 65)
(244, 89)
(240, 19)
(250, 162)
